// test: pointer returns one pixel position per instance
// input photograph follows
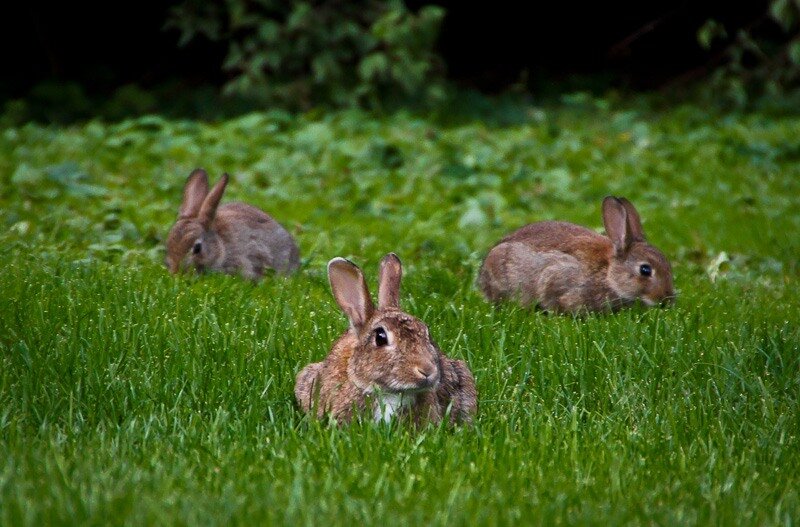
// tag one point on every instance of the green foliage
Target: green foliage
(128, 396)
(304, 53)
(756, 63)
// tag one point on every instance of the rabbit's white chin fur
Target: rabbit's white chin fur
(387, 404)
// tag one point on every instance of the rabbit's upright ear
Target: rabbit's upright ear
(194, 192)
(634, 222)
(350, 291)
(389, 282)
(210, 204)
(616, 224)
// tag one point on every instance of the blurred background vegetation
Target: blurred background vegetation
(190, 58)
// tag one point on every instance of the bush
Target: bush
(763, 59)
(302, 53)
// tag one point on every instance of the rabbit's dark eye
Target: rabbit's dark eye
(197, 247)
(381, 339)
(645, 270)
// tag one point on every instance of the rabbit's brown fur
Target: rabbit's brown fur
(232, 238)
(564, 267)
(408, 376)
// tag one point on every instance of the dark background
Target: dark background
(491, 46)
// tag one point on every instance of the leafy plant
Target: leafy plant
(301, 53)
(761, 59)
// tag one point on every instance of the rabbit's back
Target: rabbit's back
(560, 236)
(325, 387)
(254, 241)
(554, 264)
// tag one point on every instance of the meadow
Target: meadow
(129, 396)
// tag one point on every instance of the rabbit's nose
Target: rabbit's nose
(427, 373)
(172, 265)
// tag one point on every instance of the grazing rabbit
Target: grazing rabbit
(568, 268)
(386, 364)
(232, 238)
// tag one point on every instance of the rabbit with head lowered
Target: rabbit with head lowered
(563, 267)
(232, 238)
(386, 365)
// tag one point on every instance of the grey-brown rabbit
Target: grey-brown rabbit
(232, 238)
(386, 365)
(564, 267)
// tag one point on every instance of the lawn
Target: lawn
(128, 396)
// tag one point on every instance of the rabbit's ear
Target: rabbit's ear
(616, 224)
(389, 282)
(634, 222)
(194, 192)
(350, 291)
(209, 207)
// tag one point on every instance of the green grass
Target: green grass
(128, 396)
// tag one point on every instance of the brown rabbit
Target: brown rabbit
(568, 268)
(386, 364)
(232, 238)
